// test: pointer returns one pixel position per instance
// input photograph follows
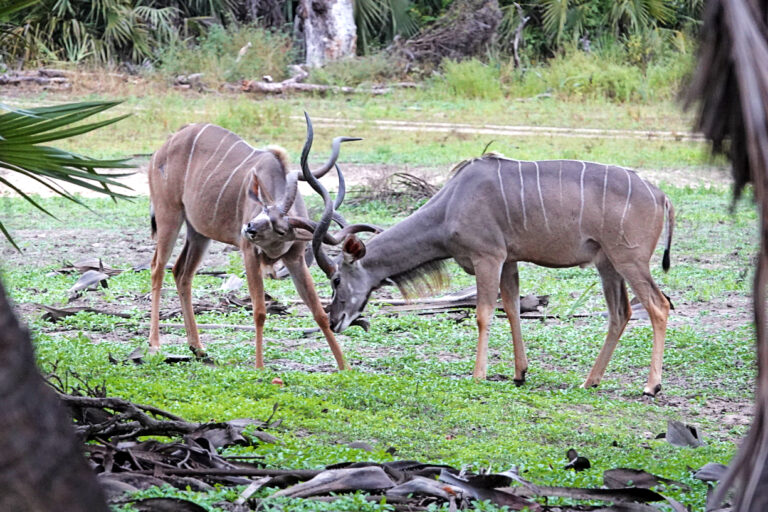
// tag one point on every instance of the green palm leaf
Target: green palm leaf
(21, 132)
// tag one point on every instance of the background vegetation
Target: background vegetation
(597, 65)
(624, 51)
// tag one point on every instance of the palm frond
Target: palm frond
(555, 15)
(23, 130)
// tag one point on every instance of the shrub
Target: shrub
(355, 71)
(579, 75)
(469, 79)
(217, 55)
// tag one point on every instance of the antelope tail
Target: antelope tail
(152, 220)
(669, 228)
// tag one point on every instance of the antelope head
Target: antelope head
(351, 283)
(268, 222)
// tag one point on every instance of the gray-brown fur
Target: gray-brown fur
(425, 280)
(223, 189)
(494, 212)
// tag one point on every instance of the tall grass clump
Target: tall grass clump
(351, 72)
(608, 75)
(470, 79)
(224, 55)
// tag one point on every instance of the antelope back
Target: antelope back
(548, 211)
(205, 171)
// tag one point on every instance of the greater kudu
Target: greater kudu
(223, 189)
(494, 212)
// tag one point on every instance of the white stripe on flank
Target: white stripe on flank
(653, 198)
(210, 174)
(522, 194)
(217, 149)
(192, 150)
(626, 205)
(605, 186)
(168, 152)
(224, 186)
(503, 193)
(541, 197)
(581, 207)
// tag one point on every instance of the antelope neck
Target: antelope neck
(405, 246)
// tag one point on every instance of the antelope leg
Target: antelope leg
(619, 312)
(487, 271)
(302, 280)
(183, 272)
(252, 262)
(657, 306)
(510, 297)
(166, 237)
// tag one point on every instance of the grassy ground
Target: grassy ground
(410, 391)
(280, 121)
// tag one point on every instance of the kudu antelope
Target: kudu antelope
(494, 212)
(223, 189)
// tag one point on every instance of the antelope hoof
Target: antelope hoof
(651, 392)
(519, 382)
(478, 375)
(153, 350)
(589, 383)
(201, 355)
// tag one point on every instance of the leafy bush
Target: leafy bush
(469, 79)
(579, 75)
(353, 72)
(218, 55)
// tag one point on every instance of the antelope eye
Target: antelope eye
(336, 281)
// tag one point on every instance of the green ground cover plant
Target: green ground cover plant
(216, 55)
(410, 392)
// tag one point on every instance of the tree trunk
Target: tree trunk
(41, 464)
(328, 30)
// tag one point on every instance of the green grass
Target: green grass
(217, 55)
(280, 121)
(410, 388)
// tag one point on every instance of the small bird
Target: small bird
(576, 462)
(242, 51)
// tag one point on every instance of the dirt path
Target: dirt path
(505, 130)
(370, 174)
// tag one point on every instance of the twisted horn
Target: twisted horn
(337, 217)
(335, 148)
(312, 178)
(336, 238)
(342, 189)
(291, 185)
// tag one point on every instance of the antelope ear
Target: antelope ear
(253, 190)
(353, 249)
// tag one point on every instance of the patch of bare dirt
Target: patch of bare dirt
(357, 175)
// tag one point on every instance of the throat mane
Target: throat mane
(428, 279)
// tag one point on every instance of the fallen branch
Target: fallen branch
(295, 83)
(289, 86)
(300, 474)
